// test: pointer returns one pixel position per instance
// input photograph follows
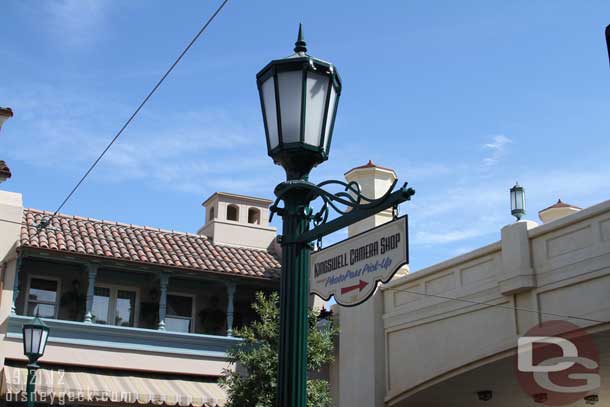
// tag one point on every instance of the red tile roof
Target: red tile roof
(118, 241)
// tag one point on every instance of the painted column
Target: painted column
(163, 282)
(92, 273)
(16, 287)
(230, 307)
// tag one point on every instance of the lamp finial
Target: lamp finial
(300, 45)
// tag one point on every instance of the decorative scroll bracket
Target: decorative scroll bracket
(357, 206)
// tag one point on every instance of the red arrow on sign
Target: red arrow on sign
(358, 287)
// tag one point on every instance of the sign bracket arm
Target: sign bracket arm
(357, 214)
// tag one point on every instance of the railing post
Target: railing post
(92, 274)
(163, 282)
(230, 307)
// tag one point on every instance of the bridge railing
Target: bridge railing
(470, 310)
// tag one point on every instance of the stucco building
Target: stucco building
(136, 314)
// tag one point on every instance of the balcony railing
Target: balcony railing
(127, 338)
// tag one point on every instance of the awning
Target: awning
(111, 387)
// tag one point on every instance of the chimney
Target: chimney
(5, 114)
(238, 220)
(557, 211)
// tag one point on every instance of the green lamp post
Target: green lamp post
(35, 335)
(299, 95)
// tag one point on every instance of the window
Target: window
(211, 215)
(232, 212)
(179, 315)
(42, 297)
(124, 307)
(254, 216)
(114, 305)
(101, 305)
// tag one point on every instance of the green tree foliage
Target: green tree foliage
(255, 381)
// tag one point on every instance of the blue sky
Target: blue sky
(460, 98)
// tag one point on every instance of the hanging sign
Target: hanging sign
(350, 270)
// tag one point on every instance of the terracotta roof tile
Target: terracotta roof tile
(144, 245)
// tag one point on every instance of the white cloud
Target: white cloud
(77, 18)
(197, 152)
(480, 209)
(496, 148)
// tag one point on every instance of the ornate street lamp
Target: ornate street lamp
(35, 335)
(299, 97)
(517, 201)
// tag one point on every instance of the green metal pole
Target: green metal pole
(294, 303)
(30, 387)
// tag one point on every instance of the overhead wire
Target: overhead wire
(37, 226)
(44, 223)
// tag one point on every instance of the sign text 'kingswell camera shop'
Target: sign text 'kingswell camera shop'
(350, 270)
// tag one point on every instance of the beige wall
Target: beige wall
(11, 209)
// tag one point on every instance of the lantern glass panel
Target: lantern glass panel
(517, 199)
(317, 87)
(268, 90)
(522, 194)
(290, 89)
(43, 342)
(27, 343)
(36, 337)
(332, 104)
